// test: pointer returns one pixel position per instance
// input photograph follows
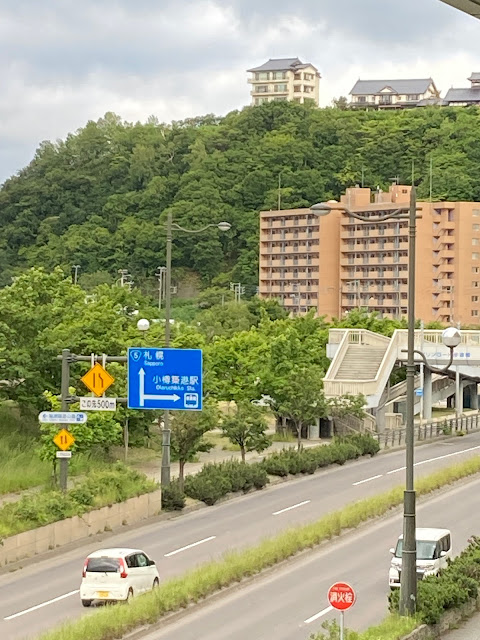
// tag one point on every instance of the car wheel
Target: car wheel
(86, 603)
(129, 596)
(156, 584)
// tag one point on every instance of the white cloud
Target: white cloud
(65, 62)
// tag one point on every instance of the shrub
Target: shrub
(216, 480)
(173, 498)
(276, 465)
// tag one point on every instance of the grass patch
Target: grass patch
(175, 594)
(283, 437)
(394, 627)
(219, 441)
(101, 488)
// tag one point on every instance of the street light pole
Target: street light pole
(408, 584)
(166, 432)
(408, 580)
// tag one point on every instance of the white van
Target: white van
(434, 547)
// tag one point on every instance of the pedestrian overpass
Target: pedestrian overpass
(362, 362)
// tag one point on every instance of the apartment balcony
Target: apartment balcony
(448, 225)
(446, 254)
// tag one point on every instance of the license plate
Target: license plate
(103, 594)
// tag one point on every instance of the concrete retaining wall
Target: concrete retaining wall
(57, 534)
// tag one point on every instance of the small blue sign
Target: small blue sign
(164, 379)
(419, 392)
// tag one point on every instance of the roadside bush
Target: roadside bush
(216, 480)
(367, 444)
(276, 465)
(291, 461)
(173, 498)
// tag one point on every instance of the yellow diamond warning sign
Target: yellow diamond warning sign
(97, 380)
(64, 439)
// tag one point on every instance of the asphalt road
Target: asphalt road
(291, 603)
(46, 593)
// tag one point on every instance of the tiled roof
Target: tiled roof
(373, 87)
(282, 64)
(474, 76)
(463, 95)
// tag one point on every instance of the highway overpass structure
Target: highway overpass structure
(362, 362)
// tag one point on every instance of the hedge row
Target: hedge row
(457, 584)
(100, 489)
(215, 480)
(291, 461)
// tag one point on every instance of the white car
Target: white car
(434, 548)
(112, 575)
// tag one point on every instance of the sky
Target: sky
(64, 62)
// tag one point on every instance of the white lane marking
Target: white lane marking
(189, 546)
(295, 506)
(447, 455)
(318, 615)
(43, 604)
(367, 480)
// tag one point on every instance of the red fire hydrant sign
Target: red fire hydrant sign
(341, 596)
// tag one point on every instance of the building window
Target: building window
(475, 312)
(280, 99)
(280, 87)
(476, 213)
(475, 256)
(413, 96)
(262, 88)
(475, 284)
(297, 88)
(361, 98)
(279, 75)
(474, 298)
(262, 75)
(476, 227)
(475, 269)
(475, 241)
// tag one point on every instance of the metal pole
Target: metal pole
(64, 399)
(458, 391)
(165, 472)
(422, 373)
(408, 587)
(342, 624)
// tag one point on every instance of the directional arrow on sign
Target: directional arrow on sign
(146, 396)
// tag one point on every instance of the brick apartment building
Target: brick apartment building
(336, 263)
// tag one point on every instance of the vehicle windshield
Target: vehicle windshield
(425, 549)
(103, 565)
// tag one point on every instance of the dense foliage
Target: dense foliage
(99, 198)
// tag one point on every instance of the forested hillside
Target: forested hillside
(99, 198)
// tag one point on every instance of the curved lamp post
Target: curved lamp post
(408, 586)
(170, 226)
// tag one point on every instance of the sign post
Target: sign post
(168, 379)
(341, 596)
(64, 390)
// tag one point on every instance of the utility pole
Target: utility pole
(238, 290)
(64, 391)
(76, 267)
(125, 278)
(161, 273)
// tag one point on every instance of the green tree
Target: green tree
(246, 426)
(299, 396)
(187, 437)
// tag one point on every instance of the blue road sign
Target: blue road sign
(164, 378)
(419, 392)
